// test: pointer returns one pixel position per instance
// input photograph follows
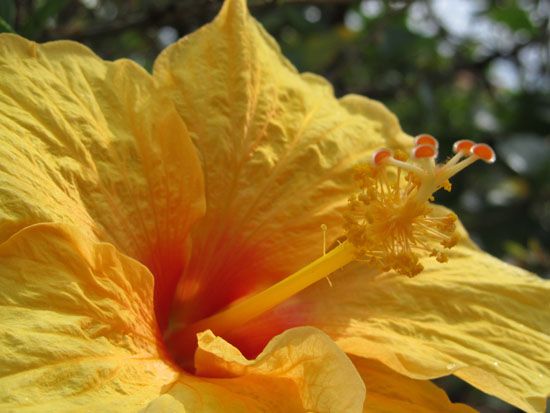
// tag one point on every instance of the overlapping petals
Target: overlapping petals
(325, 378)
(391, 392)
(302, 370)
(79, 333)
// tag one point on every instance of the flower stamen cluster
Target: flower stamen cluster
(391, 220)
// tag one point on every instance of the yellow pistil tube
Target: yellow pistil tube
(256, 304)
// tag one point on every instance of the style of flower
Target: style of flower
(135, 208)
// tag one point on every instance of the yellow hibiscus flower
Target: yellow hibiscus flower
(133, 206)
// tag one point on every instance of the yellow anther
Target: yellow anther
(439, 256)
(451, 242)
(401, 155)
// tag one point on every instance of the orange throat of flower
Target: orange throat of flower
(390, 224)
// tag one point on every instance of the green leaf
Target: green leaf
(4, 26)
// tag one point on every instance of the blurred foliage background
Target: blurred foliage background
(457, 69)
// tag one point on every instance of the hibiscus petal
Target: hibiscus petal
(325, 379)
(94, 144)
(247, 394)
(475, 316)
(78, 326)
(390, 392)
(300, 370)
(277, 149)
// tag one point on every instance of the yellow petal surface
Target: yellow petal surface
(94, 144)
(247, 394)
(325, 378)
(78, 331)
(476, 317)
(277, 148)
(301, 370)
(391, 392)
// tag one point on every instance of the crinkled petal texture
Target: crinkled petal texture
(277, 148)
(94, 144)
(79, 334)
(78, 326)
(391, 392)
(301, 370)
(476, 317)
